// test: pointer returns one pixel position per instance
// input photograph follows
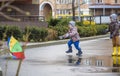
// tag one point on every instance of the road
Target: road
(53, 61)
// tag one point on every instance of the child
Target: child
(74, 38)
(114, 34)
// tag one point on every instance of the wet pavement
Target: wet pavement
(53, 61)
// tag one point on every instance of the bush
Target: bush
(86, 31)
(64, 21)
(61, 30)
(101, 29)
(38, 34)
(79, 23)
(13, 31)
(88, 23)
(53, 22)
(41, 34)
(1, 32)
(52, 35)
(58, 22)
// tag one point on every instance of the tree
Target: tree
(73, 10)
(7, 4)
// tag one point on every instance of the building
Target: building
(31, 6)
(104, 7)
(24, 5)
(47, 8)
(52, 8)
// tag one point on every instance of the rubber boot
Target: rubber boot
(115, 63)
(69, 50)
(119, 61)
(114, 51)
(119, 51)
(79, 53)
(114, 58)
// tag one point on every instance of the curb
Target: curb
(49, 43)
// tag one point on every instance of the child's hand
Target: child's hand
(111, 36)
(106, 31)
(60, 37)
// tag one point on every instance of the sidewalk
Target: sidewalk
(40, 44)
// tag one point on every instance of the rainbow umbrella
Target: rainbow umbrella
(15, 48)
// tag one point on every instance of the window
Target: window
(99, 1)
(116, 1)
(58, 11)
(86, 1)
(99, 63)
(57, 1)
(60, 1)
(65, 1)
(70, 1)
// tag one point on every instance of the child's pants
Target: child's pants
(115, 41)
(76, 44)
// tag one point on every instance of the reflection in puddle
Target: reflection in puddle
(92, 64)
(116, 63)
(112, 64)
(78, 61)
(71, 60)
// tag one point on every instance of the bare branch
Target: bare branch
(18, 9)
(8, 17)
(8, 3)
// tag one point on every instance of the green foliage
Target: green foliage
(86, 31)
(38, 34)
(63, 21)
(79, 23)
(1, 32)
(61, 30)
(53, 22)
(101, 29)
(8, 31)
(15, 31)
(58, 22)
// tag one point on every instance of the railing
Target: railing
(24, 18)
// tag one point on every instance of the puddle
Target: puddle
(95, 63)
(92, 64)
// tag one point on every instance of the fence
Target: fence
(102, 19)
(97, 19)
(25, 21)
(25, 18)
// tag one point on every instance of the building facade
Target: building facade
(61, 7)
(104, 7)
(49, 8)
(31, 6)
